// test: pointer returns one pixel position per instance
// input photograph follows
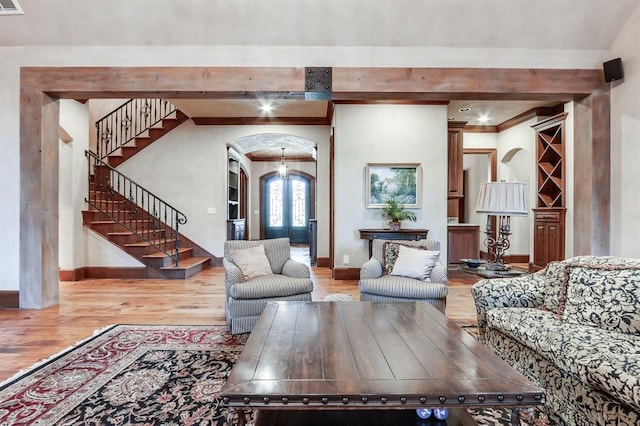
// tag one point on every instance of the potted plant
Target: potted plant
(397, 213)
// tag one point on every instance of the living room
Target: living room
(36, 73)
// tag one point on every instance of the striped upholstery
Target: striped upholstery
(245, 300)
(374, 286)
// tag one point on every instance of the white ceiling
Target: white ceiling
(539, 24)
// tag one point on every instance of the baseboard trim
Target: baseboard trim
(9, 299)
(509, 258)
(516, 258)
(71, 274)
(346, 274)
(115, 272)
(323, 262)
(79, 274)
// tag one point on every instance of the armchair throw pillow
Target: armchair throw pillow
(252, 262)
(415, 263)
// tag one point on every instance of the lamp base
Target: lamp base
(497, 267)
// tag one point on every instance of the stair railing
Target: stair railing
(134, 207)
(130, 120)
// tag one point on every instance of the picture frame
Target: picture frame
(402, 181)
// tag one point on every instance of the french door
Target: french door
(287, 206)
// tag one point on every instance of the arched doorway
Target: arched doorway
(287, 206)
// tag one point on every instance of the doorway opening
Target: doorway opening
(286, 203)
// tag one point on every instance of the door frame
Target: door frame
(263, 192)
(42, 87)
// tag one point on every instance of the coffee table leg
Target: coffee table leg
(242, 417)
(515, 417)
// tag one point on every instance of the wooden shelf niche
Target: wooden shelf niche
(235, 193)
(551, 165)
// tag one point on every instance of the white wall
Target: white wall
(625, 104)
(478, 171)
(625, 142)
(387, 134)
(517, 163)
(188, 168)
(72, 184)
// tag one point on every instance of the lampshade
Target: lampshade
(503, 199)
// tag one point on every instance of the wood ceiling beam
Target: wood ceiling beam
(260, 121)
(465, 83)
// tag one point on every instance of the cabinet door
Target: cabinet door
(540, 247)
(553, 242)
(463, 243)
(455, 162)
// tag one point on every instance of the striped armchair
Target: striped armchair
(245, 300)
(377, 286)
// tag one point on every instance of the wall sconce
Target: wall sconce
(501, 199)
(282, 168)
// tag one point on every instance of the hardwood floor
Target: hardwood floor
(28, 336)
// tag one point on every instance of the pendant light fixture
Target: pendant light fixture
(282, 168)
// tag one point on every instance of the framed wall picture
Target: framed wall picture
(388, 180)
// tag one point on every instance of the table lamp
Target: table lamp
(501, 199)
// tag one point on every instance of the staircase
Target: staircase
(134, 126)
(140, 223)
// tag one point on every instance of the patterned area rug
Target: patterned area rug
(138, 375)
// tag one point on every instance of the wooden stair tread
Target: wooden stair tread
(161, 255)
(187, 263)
(146, 243)
(103, 222)
(120, 233)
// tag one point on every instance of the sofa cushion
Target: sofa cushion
(605, 296)
(409, 288)
(617, 374)
(552, 285)
(534, 328)
(270, 286)
(564, 343)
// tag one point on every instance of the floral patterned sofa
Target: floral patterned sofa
(574, 329)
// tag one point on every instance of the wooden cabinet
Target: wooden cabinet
(463, 243)
(549, 216)
(236, 229)
(455, 151)
(455, 185)
(548, 236)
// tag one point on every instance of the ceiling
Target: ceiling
(522, 25)
(474, 112)
(267, 147)
(525, 24)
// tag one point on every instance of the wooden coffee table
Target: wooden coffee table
(329, 357)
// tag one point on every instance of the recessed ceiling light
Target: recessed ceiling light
(466, 109)
(266, 107)
(483, 118)
(451, 118)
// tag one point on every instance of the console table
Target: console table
(387, 234)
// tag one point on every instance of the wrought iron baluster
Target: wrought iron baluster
(159, 227)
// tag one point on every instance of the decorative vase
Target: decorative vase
(394, 226)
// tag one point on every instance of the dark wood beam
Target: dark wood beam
(464, 83)
(260, 121)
